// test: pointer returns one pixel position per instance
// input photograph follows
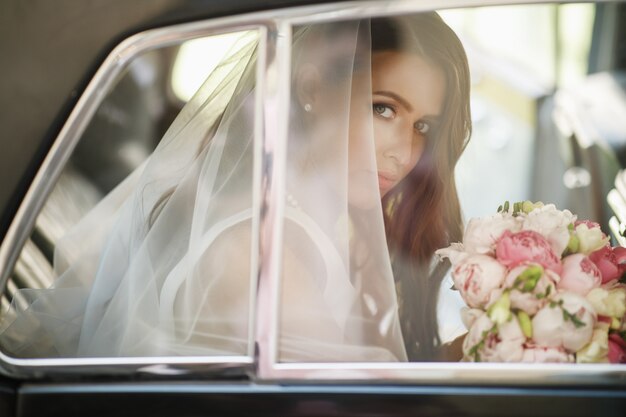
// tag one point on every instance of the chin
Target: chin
(363, 190)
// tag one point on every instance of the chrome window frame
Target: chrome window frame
(271, 134)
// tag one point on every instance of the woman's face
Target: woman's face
(407, 100)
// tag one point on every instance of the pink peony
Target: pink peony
(590, 224)
(488, 342)
(476, 277)
(531, 286)
(526, 246)
(566, 321)
(542, 354)
(610, 261)
(579, 275)
(617, 349)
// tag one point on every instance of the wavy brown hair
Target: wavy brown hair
(422, 213)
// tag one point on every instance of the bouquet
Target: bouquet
(540, 286)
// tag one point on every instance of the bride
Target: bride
(162, 266)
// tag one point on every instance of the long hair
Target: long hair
(422, 213)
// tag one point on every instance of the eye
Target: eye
(384, 110)
(422, 127)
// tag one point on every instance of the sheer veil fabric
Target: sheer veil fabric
(162, 265)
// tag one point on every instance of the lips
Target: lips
(386, 181)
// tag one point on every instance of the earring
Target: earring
(308, 107)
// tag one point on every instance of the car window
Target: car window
(128, 126)
(383, 171)
(293, 197)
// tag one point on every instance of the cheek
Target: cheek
(416, 153)
(382, 132)
(359, 141)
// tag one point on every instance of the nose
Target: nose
(399, 145)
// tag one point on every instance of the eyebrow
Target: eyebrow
(404, 102)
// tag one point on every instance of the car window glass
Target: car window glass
(48, 293)
(382, 171)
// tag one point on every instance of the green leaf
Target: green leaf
(500, 311)
(578, 323)
(573, 244)
(541, 296)
(525, 324)
(475, 350)
(528, 279)
(528, 206)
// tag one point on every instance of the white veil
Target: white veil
(162, 265)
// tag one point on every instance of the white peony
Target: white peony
(567, 320)
(476, 277)
(481, 234)
(590, 238)
(530, 293)
(470, 315)
(552, 223)
(542, 354)
(455, 253)
(609, 302)
(489, 342)
(597, 350)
